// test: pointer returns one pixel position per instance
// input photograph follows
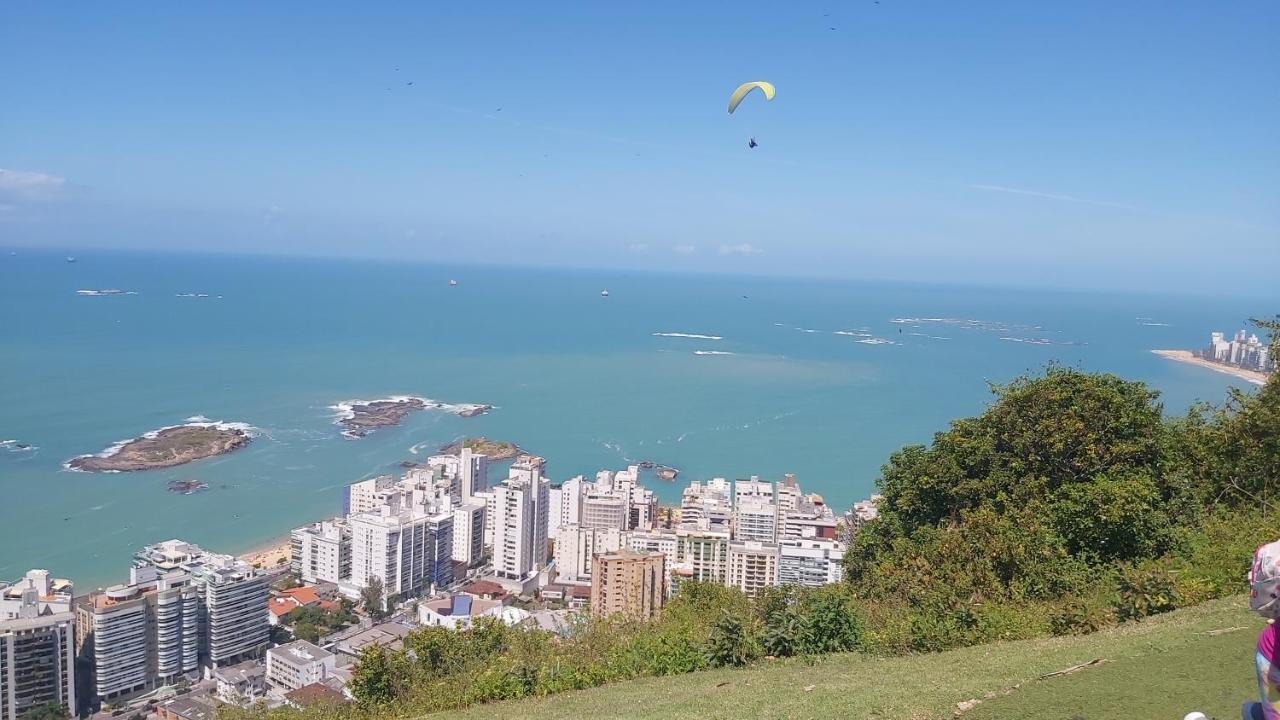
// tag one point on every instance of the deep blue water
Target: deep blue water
(576, 377)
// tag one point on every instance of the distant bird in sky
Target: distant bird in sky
(410, 82)
(831, 28)
(498, 110)
(752, 143)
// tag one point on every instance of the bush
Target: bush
(1078, 616)
(729, 644)
(1145, 591)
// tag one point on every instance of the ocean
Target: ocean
(812, 377)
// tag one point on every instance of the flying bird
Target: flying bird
(752, 143)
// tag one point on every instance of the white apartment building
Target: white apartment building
(755, 518)
(52, 595)
(810, 562)
(565, 506)
(604, 509)
(752, 565)
(576, 547)
(707, 506)
(703, 553)
(321, 552)
(473, 473)
(37, 648)
(520, 521)
(368, 495)
(662, 542)
(298, 664)
(752, 488)
(409, 552)
(468, 531)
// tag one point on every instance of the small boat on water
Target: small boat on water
(452, 282)
(604, 293)
(70, 259)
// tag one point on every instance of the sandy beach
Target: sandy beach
(1186, 356)
(269, 556)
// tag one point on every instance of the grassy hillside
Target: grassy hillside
(1162, 667)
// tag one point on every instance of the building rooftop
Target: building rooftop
(389, 635)
(301, 651)
(197, 706)
(482, 588)
(315, 694)
(240, 672)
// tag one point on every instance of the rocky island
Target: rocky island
(187, 487)
(166, 447)
(494, 449)
(361, 417)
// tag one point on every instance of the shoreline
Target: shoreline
(1188, 357)
(268, 554)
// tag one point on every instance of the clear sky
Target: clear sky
(1093, 144)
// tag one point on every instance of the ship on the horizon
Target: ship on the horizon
(604, 293)
(70, 259)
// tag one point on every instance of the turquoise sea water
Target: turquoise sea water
(576, 377)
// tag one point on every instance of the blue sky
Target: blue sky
(1087, 144)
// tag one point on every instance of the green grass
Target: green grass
(1163, 667)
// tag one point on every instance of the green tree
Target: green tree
(306, 631)
(378, 676)
(1112, 519)
(47, 711)
(371, 596)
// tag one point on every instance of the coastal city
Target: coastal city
(193, 630)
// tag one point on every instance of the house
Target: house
(298, 664)
(289, 600)
(458, 612)
(389, 635)
(241, 684)
(314, 695)
(196, 706)
(485, 590)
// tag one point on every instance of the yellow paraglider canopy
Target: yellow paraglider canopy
(745, 88)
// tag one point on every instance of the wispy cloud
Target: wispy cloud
(740, 249)
(685, 249)
(25, 184)
(638, 248)
(1051, 196)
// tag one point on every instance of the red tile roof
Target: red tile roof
(304, 595)
(315, 694)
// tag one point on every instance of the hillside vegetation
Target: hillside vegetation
(1071, 505)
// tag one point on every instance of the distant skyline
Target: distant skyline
(1086, 145)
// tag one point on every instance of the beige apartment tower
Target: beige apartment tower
(628, 582)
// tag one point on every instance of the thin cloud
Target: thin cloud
(27, 185)
(685, 249)
(638, 248)
(1051, 196)
(740, 249)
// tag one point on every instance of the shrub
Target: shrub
(1144, 591)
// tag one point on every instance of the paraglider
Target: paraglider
(745, 88)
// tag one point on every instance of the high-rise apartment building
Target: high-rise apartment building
(628, 582)
(322, 552)
(37, 645)
(752, 565)
(408, 551)
(520, 520)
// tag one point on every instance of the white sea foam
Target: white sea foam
(807, 330)
(931, 337)
(1039, 341)
(876, 341)
(693, 336)
(1155, 324)
(14, 446)
(852, 333)
(115, 447)
(711, 352)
